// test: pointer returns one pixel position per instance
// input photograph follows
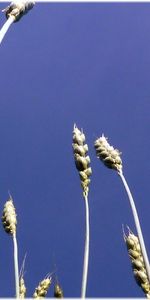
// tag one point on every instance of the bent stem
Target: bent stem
(6, 27)
(137, 224)
(16, 268)
(86, 249)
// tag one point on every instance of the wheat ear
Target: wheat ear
(58, 292)
(42, 288)
(9, 221)
(111, 158)
(13, 14)
(137, 262)
(82, 161)
(22, 288)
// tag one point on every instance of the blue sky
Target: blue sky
(66, 63)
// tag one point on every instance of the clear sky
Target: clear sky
(66, 63)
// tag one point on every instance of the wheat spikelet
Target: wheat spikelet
(138, 266)
(58, 292)
(9, 219)
(42, 289)
(82, 160)
(107, 154)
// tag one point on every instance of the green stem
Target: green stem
(86, 250)
(16, 268)
(137, 224)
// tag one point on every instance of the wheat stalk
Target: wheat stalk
(111, 158)
(82, 164)
(9, 221)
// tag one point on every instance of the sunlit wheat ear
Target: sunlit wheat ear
(13, 14)
(42, 289)
(107, 154)
(136, 257)
(9, 221)
(58, 292)
(82, 161)
(111, 158)
(22, 288)
(18, 8)
(9, 218)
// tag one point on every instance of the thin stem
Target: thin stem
(16, 268)
(137, 224)
(86, 250)
(6, 27)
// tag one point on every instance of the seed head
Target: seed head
(22, 288)
(18, 8)
(9, 219)
(137, 262)
(42, 289)
(82, 160)
(107, 154)
(58, 292)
